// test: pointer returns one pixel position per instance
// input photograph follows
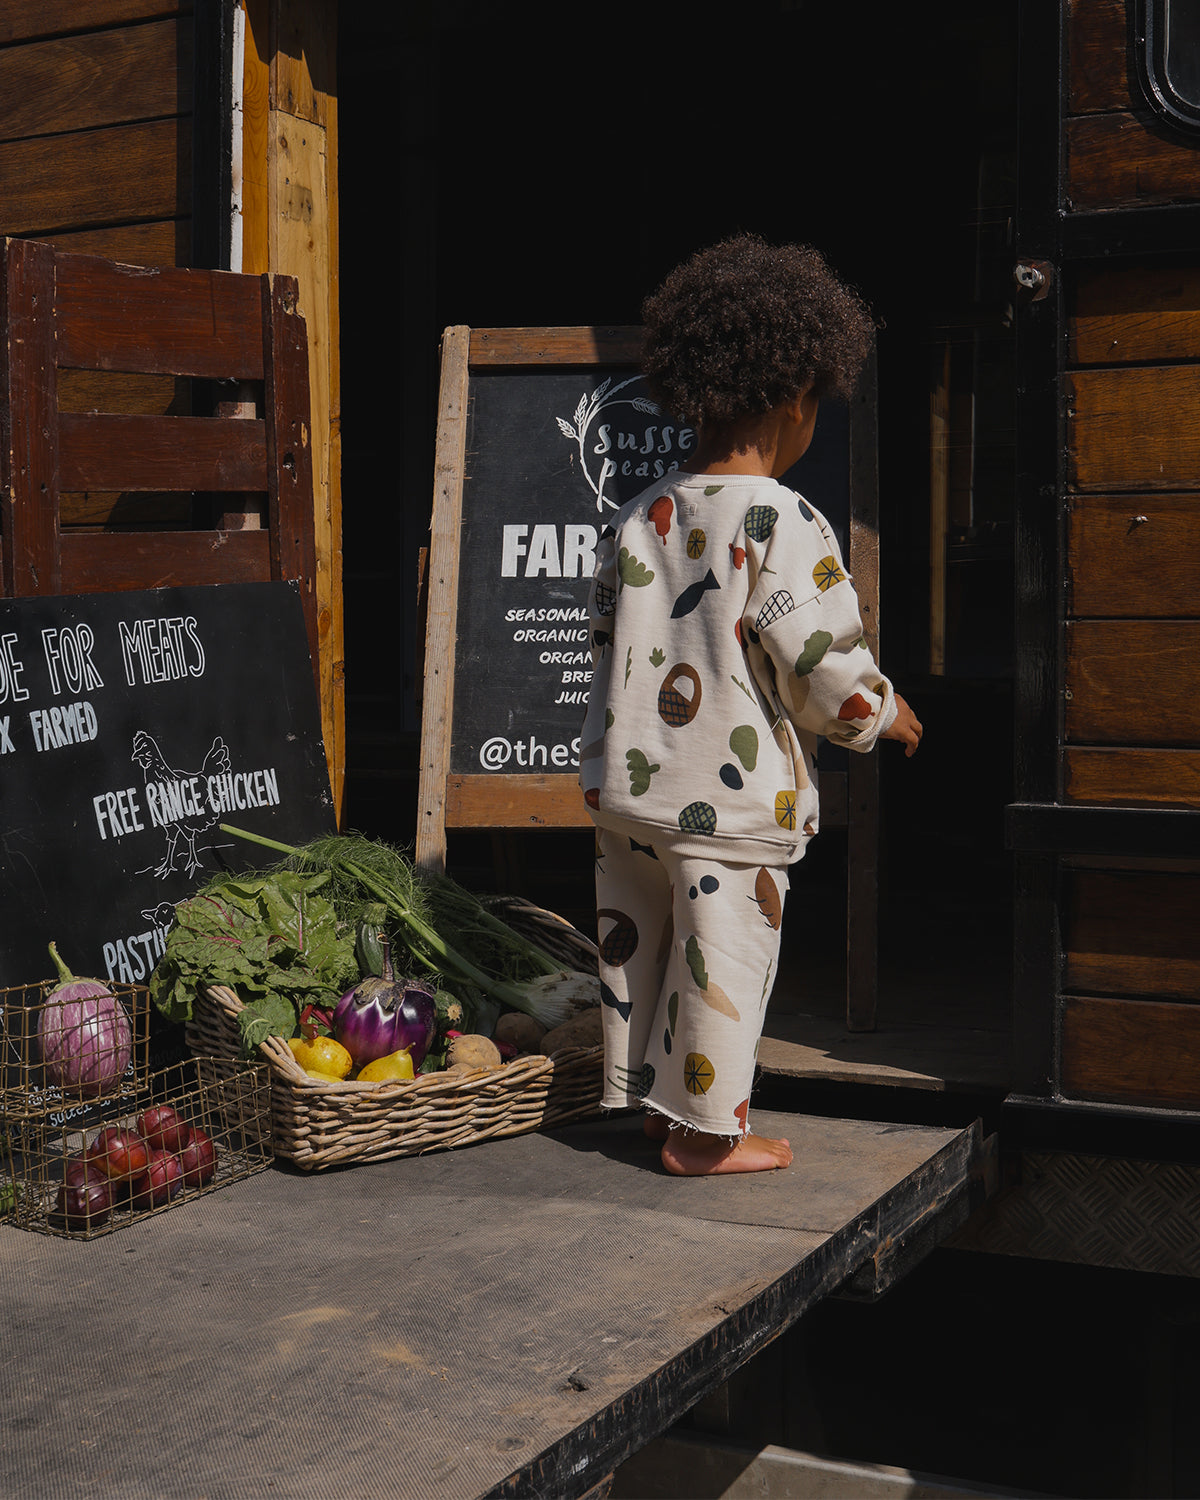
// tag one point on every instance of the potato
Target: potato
(583, 1031)
(472, 1052)
(520, 1031)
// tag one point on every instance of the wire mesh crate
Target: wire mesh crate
(114, 1049)
(194, 1127)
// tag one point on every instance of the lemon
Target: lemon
(321, 1056)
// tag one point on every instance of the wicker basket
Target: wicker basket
(317, 1124)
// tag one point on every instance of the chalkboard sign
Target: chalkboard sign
(131, 725)
(543, 434)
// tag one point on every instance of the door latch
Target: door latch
(1034, 276)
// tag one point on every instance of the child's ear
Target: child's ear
(802, 408)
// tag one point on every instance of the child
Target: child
(726, 639)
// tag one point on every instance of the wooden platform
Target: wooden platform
(515, 1318)
(902, 1054)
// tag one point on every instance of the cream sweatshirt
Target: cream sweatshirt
(726, 640)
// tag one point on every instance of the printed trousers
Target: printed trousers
(688, 954)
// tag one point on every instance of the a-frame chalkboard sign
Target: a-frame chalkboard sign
(542, 434)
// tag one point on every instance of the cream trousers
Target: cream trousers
(688, 954)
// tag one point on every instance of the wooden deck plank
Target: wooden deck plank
(516, 1318)
(937, 1058)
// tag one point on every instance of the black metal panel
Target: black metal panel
(212, 136)
(1142, 832)
(1165, 230)
(1038, 570)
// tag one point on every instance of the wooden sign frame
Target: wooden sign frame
(450, 799)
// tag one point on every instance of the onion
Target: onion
(83, 1034)
(381, 1016)
(85, 1196)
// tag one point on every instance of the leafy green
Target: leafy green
(274, 939)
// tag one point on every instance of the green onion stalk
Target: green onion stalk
(428, 946)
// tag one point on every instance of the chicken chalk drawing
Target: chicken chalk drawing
(179, 800)
(649, 453)
(160, 916)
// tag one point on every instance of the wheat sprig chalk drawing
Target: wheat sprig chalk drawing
(605, 395)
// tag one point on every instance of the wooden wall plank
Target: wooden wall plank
(1134, 429)
(301, 246)
(555, 346)
(163, 321)
(1130, 1051)
(1132, 933)
(1146, 313)
(28, 432)
(303, 61)
(1097, 40)
(1134, 555)
(161, 453)
(95, 79)
(164, 242)
(98, 177)
(21, 20)
(256, 152)
(1126, 161)
(1132, 682)
(1165, 778)
(109, 562)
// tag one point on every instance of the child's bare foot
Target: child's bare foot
(656, 1127)
(691, 1153)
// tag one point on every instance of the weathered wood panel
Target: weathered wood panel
(1132, 933)
(110, 562)
(1166, 778)
(289, 223)
(1144, 313)
(132, 510)
(161, 453)
(1097, 34)
(1131, 1051)
(1134, 555)
(1127, 161)
(288, 408)
(98, 177)
(95, 79)
(1134, 429)
(1132, 682)
(22, 20)
(104, 390)
(162, 321)
(521, 802)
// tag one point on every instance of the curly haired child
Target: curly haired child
(726, 641)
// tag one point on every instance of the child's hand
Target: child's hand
(905, 727)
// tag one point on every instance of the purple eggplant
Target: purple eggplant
(380, 1015)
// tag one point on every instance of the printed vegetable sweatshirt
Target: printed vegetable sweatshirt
(726, 639)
